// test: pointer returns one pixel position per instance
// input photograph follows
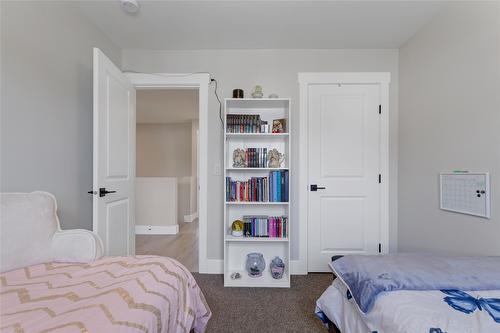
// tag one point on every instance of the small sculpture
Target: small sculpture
(275, 158)
(239, 160)
(235, 276)
(257, 92)
(273, 96)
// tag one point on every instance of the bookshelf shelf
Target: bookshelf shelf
(231, 238)
(257, 135)
(263, 281)
(271, 183)
(256, 203)
(255, 169)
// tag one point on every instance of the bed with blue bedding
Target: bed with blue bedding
(413, 293)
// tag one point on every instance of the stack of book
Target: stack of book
(246, 123)
(255, 189)
(259, 189)
(255, 157)
(265, 226)
(278, 186)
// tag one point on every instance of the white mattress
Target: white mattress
(411, 312)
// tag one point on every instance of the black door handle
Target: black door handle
(103, 192)
(315, 187)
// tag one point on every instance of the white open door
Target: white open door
(114, 157)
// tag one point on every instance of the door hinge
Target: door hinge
(379, 178)
(380, 109)
(379, 248)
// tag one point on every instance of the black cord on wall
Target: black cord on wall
(218, 100)
(188, 74)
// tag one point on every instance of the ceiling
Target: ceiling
(233, 24)
(170, 106)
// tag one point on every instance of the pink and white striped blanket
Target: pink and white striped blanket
(115, 294)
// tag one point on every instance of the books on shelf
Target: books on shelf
(255, 157)
(246, 123)
(265, 226)
(273, 188)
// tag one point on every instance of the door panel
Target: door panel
(117, 111)
(350, 220)
(342, 136)
(114, 157)
(344, 158)
(117, 227)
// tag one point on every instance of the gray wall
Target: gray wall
(276, 71)
(449, 119)
(46, 103)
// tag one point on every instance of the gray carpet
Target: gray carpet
(264, 309)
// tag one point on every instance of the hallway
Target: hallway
(182, 247)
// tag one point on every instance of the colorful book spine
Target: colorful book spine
(265, 226)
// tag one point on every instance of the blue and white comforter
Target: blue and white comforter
(368, 276)
(407, 311)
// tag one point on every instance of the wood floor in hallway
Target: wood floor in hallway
(183, 247)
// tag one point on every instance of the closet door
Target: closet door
(344, 159)
(114, 157)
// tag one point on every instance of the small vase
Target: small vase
(277, 267)
(255, 264)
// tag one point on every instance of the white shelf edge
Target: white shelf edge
(259, 134)
(265, 280)
(257, 169)
(256, 203)
(230, 238)
(259, 99)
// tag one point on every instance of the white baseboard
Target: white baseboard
(191, 217)
(157, 229)
(297, 267)
(216, 266)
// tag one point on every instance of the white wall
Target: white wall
(450, 119)
(164, 150)
(276, 71)
(46, 103)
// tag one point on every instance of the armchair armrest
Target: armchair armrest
(77, 245)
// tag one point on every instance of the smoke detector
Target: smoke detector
(130, 6)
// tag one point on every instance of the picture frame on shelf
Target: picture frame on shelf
(279, 126)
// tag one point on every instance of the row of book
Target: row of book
(265, 226)
(246, 123)
(274, 188)
(256, 158)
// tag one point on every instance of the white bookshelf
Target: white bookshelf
(237, 248)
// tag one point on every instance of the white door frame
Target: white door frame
(306, 80)
(200, 81)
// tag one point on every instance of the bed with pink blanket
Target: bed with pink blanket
(114, 294)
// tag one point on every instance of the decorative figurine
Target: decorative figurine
(257, 92)
(277, 268)
(273, 96)
(235, 276)
(255, 264)
(275, 158)
(239, 160)
(237, 228)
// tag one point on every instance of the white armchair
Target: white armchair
(31, 233)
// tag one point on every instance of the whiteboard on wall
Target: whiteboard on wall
(466, 193)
